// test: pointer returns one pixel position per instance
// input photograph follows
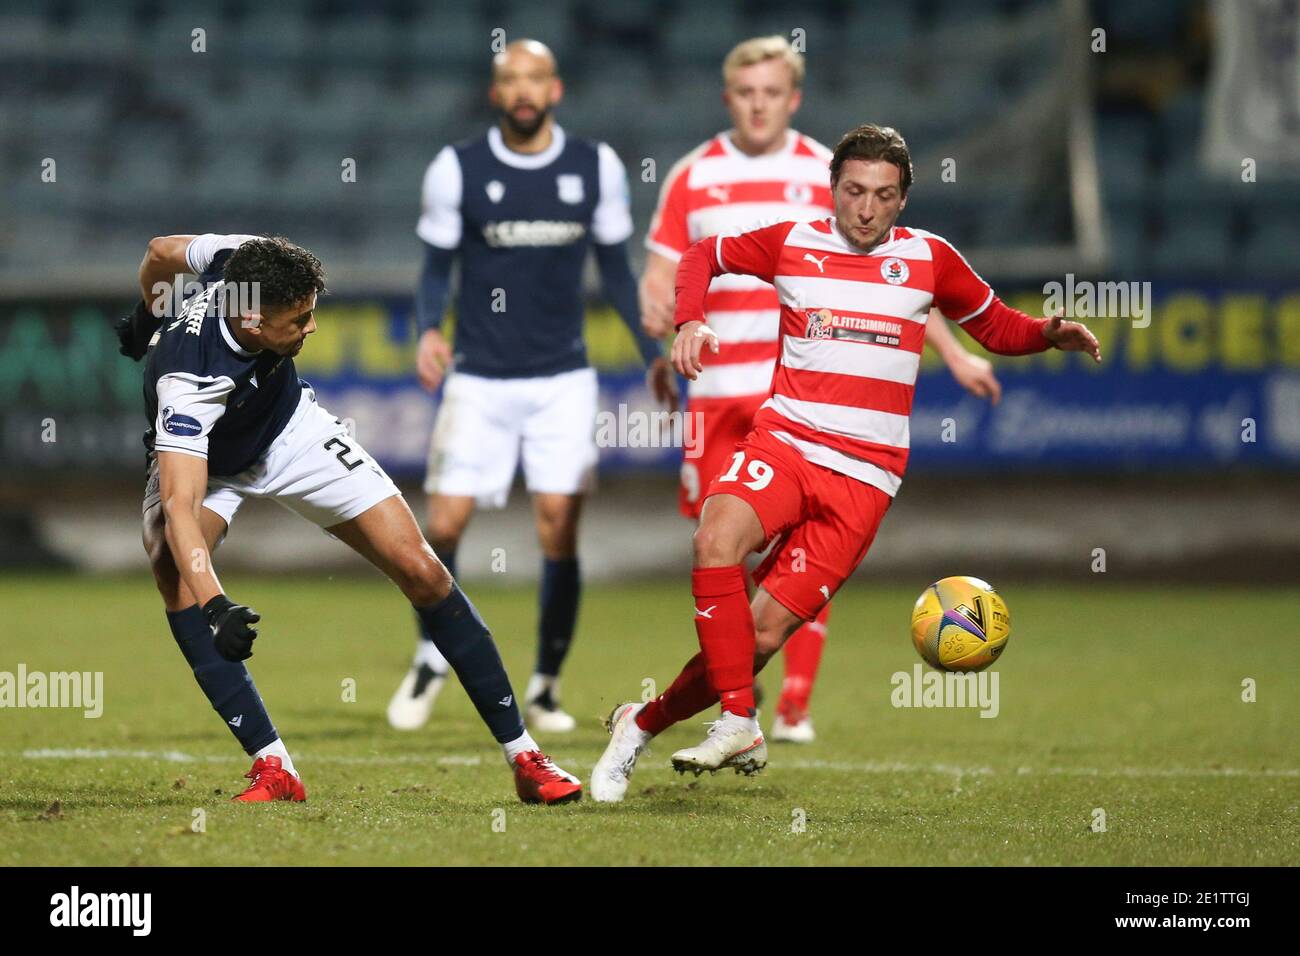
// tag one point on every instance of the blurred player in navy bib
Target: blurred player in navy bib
(520, 207)
(230, 419)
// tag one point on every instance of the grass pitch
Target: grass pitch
(1127, 701)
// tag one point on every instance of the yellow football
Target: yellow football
(960, 624)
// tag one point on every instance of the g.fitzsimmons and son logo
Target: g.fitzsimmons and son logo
(82, 690)
(103, 909)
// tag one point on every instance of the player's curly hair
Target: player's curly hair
(285, 273)
(873, 142)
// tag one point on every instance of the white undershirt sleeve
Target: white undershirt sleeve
(440, 221)
(611, 221)
(203, 249)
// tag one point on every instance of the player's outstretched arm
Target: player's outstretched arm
(698, 267)
(183, 480)
(990, 321)
(972, 372)
(754, 252)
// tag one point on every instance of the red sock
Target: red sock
(725, 626)
(689, 694)
(803, 654)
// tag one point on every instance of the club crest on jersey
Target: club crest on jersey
(182, 425)
(819, 324)
(894, 271)
(495, 190)
(569, 186)
(799, 194)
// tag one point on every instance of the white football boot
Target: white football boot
(733, 741)
(800, 732)
(627, 742)
(413, 703)
(542, 709)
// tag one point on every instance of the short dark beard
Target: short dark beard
(526, 130)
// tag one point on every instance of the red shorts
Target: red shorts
(822, 522)
(726, 422)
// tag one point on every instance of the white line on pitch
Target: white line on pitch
(473, 760)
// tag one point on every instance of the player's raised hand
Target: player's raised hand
(432, 358)
(1071, 337)
(662, 383)
(689, 345)
(232, 627)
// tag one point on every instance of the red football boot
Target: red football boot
(538, 780)
(271, 782)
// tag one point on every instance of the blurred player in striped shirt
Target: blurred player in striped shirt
(829, 445)
(759, 171)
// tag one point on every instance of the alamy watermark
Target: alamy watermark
(179, 298)
(922, 688)
(130, 910)
(77, 690)
(635, 428)
(1084, 299)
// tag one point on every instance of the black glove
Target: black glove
(135, 330)
(232, 630)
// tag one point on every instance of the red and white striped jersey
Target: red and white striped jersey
(715, 189)
(852, 331)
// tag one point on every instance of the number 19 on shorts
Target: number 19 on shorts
(760, 472)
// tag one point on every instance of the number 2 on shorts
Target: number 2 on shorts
(760, 471)
(344, 449)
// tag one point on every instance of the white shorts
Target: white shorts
(483, 422)
(313, 468)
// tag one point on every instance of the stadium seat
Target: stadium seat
(453, 37)
(274, 35)
(20, 32)
(886, 29)
(552, 24)
(1148, 21)
(388, 82)
(97, 30)
(703, 35)
(1123, 153)
(1193, 241)
(232, 170)
(364, 40)
(1126, 248)
(1271, 249)
(1180, 126)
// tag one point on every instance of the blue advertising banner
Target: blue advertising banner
(1205, 377)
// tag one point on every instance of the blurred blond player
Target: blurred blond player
(760, 170)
